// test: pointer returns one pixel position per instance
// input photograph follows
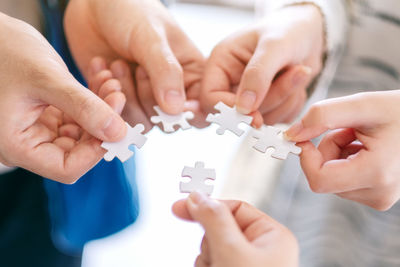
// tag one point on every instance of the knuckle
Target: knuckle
(273, 41)
(316, 114)
(212, 208)
(68, 177)
(279, 93)
(84, 106)
(254, 72)
(384, 203)
(221, 50)
(316, 186)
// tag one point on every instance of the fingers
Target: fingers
(109, 86)
(134, 111)
(205, 256)
(52, 161)
(205, 251)
(296, 108)
(61, 158)
(338, 175)
(257, 78)
(116, 100)
(97, 74)
(216, 219)
(96, 65)
(344, 112)
(201, 262)
(291, 81)
(70, 130)
(154, 54)
(84, 107)
(287, 109)
(222, 73)
(335, 142)
(381, 200)
(209, 215)
(144, 92)
(65, 143)
(287, 95)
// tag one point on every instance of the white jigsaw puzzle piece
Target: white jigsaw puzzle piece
(169, 121)
(228, 119)
(198, 176)
(271, 137)
(121, 149)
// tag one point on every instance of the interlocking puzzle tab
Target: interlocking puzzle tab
(271, 137)
(199, 174)
(169, 121)
(228, 119)
(121, 149)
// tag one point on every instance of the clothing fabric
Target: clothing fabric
(334, 12)
(333, 231)
(25, 224)
(104, 200)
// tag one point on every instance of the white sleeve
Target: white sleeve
(335, 13)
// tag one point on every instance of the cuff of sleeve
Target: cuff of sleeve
(335, 14)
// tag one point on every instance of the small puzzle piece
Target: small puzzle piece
(169, 121)
(271, 137)
(198, 176)
(228, 119)
(121, 149)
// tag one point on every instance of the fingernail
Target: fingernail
(173, 98)
(118, 70)
(301, 76)
(195, 198)
(113, 128)
(293, 131)
(246, 102)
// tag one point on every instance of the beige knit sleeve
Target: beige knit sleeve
(336, 14)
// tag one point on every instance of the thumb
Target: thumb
(344, 112)
(164, 70)
(84, 107)
(258, 75)
(221, 229)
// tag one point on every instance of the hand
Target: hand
(359, 159)
(266, 69)
(237, 234)
(44, 110)
(139, 32)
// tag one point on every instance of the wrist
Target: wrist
(317, 17)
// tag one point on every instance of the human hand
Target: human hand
(44, 110)
(359, 159)
(141, 32)
(237, 234)
(266, 69)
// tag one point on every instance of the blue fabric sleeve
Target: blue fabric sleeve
(104, 200)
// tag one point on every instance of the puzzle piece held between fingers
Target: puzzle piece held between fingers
(228, 119)
(169, 121)
(271, 137)
(121, 149)
(198, 176)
